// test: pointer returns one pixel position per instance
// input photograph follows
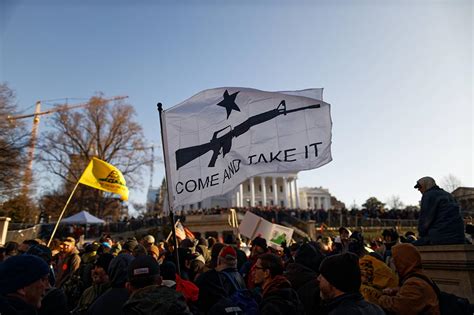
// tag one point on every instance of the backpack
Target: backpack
(240, 302)
(449, 304)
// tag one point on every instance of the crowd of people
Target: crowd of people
(318, 215)
(340, 275)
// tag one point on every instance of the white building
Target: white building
(315, 198)
(273, 189)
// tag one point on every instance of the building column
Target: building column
(297, 194)
(237, 199)
(285, 191)
(275, 191)
(264, 191)
(241, 190)
(252, 192)
(3, 229)
(292, 200)
(312, 203)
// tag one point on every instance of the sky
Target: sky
(398, 74)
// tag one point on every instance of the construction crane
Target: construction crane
(152, 166)
(34, 132)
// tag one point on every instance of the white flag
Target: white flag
(220, 137)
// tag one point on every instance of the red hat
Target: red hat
(228, 252)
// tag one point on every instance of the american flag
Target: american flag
(183, 232)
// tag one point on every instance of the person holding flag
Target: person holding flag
(220, 137)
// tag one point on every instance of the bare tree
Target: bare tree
(103, 130)
(13, 143)
(450, 183)
(395, 203)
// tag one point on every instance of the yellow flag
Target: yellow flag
(104, 176)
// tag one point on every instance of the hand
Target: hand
(390, 291)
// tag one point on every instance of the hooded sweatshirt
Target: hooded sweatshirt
(415, 295)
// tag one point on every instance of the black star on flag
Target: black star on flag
(229, 102)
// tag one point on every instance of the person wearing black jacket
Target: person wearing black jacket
(303, 274)
(112, 300)
(440, 219)
(278, 297)
(214, 285)
(23, 282)
(339, 282)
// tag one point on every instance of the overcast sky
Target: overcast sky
(398, 74)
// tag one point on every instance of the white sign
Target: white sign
(253, 225)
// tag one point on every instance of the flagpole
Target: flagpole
(62, 213)
(173, 224)
(171, 233)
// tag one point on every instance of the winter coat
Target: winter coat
(304, 281)
(214, 286)
(113, 299)
(351, 303)
(10, 305)
(67, 267)
(375, 276)
(440, 219)
(415, 295)
(155, 299)
(279, 298)
(89, 296)
(54, 302)
(110, 302)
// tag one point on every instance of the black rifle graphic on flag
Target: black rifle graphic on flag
(224, 142)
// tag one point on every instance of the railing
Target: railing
(355, 221)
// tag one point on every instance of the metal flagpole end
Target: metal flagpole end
(171, 214)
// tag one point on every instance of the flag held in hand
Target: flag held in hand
(104, 176)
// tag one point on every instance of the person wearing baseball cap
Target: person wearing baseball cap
(70, 262)
(147, 295)
(339, 282)
(218, 282)
(440, 221)
(23, 283)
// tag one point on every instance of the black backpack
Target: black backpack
(449, 304)
(240, 302)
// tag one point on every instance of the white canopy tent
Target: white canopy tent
(82, 217)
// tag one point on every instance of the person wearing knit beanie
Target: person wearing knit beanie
(339, 283)
(23, 282)
(342, 272)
